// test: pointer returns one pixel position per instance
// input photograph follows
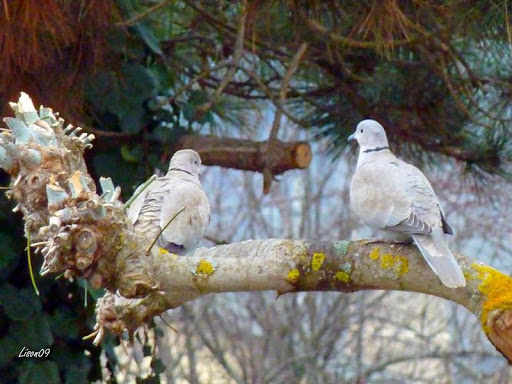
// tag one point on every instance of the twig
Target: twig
(507, 25)
(135, 19)
(234, 65)
(191, 83)
(31, 272)
(91, 335)
(163, 229)
(139, 191)
(268, 176)
(284, 88)
(268, 93)
(166, 323)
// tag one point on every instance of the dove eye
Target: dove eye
(361, 130)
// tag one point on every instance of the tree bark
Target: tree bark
(86, 234)
(249, 155)
(234, 153)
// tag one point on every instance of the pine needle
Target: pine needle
(85, 293)
(166, 225)
(91, 335)
(30, 264)
(169, 325)
(139, 190)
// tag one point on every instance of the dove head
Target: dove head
(186, 160)
(370, 135)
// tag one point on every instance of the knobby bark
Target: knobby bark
(85, 234)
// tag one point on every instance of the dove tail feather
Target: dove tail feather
(440, 258)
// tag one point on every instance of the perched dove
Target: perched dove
(389, 194)
(179, 189)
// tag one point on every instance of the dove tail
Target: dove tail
(440, 258)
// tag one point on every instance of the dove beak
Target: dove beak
(351, 137)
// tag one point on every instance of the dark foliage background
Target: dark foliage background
(139, 74)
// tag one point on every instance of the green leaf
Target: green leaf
(19, 304)
(128, 155)
(136, 85)
(64, 324)
(164, 75)
(190, 109)
(7, 253)
(39, 371)
(112, 164)
(102, 90)
(33, 334)
(149, 38)
(76, 375)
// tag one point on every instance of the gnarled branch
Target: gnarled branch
(86, 234)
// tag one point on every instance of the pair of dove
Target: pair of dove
(385, 192)
(389, 194)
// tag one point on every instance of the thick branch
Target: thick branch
(246, 155)
(249, 155)
(298, 265)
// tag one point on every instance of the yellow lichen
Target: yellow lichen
(342, 276)
(317, 261)
(387, 261)
(375, 253)
(399, 264)
(204, 267)
(293, 275)
(497, 290)
(163, 251)
(402, 265)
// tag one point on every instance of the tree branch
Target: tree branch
(298, 265)
(226, 152)
(249, 155)
(86, 234)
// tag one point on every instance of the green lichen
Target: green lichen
(317, 261)
(347, 267)
(341, 247)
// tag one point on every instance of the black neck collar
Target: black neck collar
(180, 170)
(376, 149)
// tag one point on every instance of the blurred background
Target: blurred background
(144, 75)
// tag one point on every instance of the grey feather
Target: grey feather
(180, 189)
(389, 194)
(441, 260)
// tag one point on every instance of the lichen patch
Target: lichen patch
(204, 267)
(496, 288)
(317, 261)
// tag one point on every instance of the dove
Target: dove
(390, 194)
(156, 210)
